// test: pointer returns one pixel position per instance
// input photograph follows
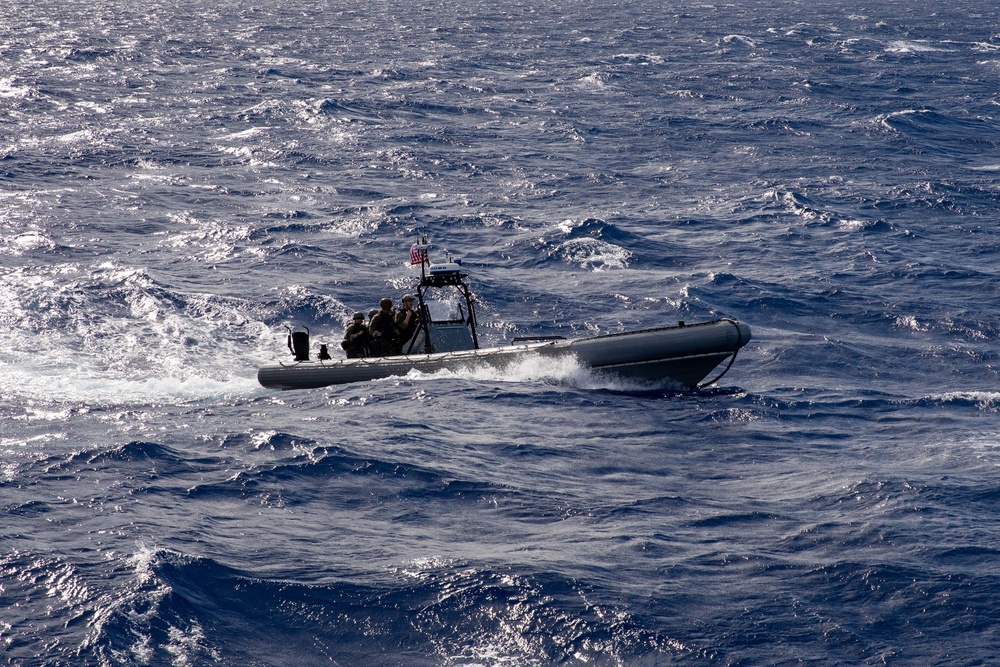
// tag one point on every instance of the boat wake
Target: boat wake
(112, 334)
(534, 368)
(76, 387)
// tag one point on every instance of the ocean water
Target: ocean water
(181, 180)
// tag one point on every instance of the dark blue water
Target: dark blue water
(179, 181)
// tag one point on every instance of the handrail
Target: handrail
(525, 339)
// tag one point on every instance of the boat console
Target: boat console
(447, 310)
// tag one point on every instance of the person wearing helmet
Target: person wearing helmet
(357, 339)
(383, 330)
(406, 323)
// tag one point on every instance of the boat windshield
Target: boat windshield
(445, 311)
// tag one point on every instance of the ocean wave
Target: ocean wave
(436, 611)
(52, 631)
(181, 183)
(950, 134)
(267, 479)
(739, 41)
(985, 401)
(27, 242)
(590, 244)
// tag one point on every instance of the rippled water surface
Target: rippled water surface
(180, 181)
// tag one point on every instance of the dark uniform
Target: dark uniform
(406, 323)
(383, 330)
(357, 339)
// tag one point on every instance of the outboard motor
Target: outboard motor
(298, 343)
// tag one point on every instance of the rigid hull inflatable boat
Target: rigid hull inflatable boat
(446, 339)
(684, 355)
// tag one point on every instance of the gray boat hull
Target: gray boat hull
(684, 355)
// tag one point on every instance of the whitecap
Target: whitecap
(26, 242)
(884, 119)
(10, 90)
(909, 322)
(423, 567)
(739, 40)
(853, 225)
(988, 401)
(80, 136)
(640, 58)
(906, 46)
(593, 81)
(94, 106)
(212, 241)
(244, 134)
(594, 254)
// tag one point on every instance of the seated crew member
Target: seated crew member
(357, 338)
(383, 330)
(406, 323)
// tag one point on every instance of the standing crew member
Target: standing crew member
(406, 322)
(383, 330)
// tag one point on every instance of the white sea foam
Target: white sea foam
(9, 89)
(593, 81)
(910, 322)
(641, 58)
(595, 254)
(883, 119)
(80, 136)
(110, 334)
(741, 40)
(536, 369)
(908, 46)
(80, 384)
(26, 242)
(987, 401)
(139, 604)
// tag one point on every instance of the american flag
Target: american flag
(418, 254)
